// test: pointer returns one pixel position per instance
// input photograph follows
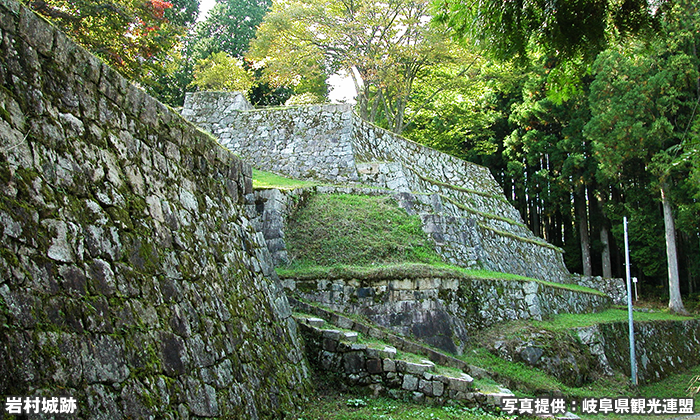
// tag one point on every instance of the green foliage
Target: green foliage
(644, 118)
(356, 230)
(455, 107)
(564, 322)
(229, 27)
(221, 72)
(133, 36)
(303, 99)
(383, 46)
(511, 28)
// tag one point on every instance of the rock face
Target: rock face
(462, 207)
(130, 277)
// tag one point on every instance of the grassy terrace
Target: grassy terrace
(563, 322)
(360, 237)
(413, 271)
(266, 180)
(356, 230)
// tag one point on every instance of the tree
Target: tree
(384, 46)
(131, 35)
(642, 102)
(507, 29)
(221, 72)
(229, 27)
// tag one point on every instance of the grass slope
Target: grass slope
(356, 230)
(265, 180)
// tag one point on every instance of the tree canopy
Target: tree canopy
(383, 46)
(229, 27)
(570, 28)
(131, 35)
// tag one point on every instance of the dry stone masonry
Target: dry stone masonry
(380, 371)
(130, 276)
(445, 312)
(662, 348)
(461, 205)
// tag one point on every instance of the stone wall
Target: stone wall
(130, 277)
(305, 142)
(444, 311)
(461, 205)
(662, 348)
(358, 364)
(377, 368)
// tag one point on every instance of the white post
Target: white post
(633, 358)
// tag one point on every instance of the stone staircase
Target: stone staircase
(365, 356)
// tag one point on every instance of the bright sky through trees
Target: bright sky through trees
(204, 7)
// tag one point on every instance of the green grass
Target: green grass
(567, 321)
(359, 230)
(354, 407)
(408, 270)
(267, 180)
(483, 214)
(672, 387)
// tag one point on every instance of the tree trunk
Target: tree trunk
(582, 219)
(675, 303)
(605, 255)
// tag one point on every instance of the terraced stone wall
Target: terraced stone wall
(461, 205)
(130, 277)
(444, 312)
(378, 369)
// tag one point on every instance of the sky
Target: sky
(342, 88)
(204, 7)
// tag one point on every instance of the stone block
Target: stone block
(438, 388)
(374, 366)
(389, 365)
(418, 368)
(361, 328)
(354, 362)
(418, 397)
(350, 336)
(332, 334)
(330, 345)
(410, 383)
(460, 384)
(495, 398)
(344, 322)
(389, 352)
(315, 322)
(426, 387)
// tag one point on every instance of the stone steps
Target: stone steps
(386, 370)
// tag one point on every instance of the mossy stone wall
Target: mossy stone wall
(444, 312)
(130, 277)
(662, 348)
